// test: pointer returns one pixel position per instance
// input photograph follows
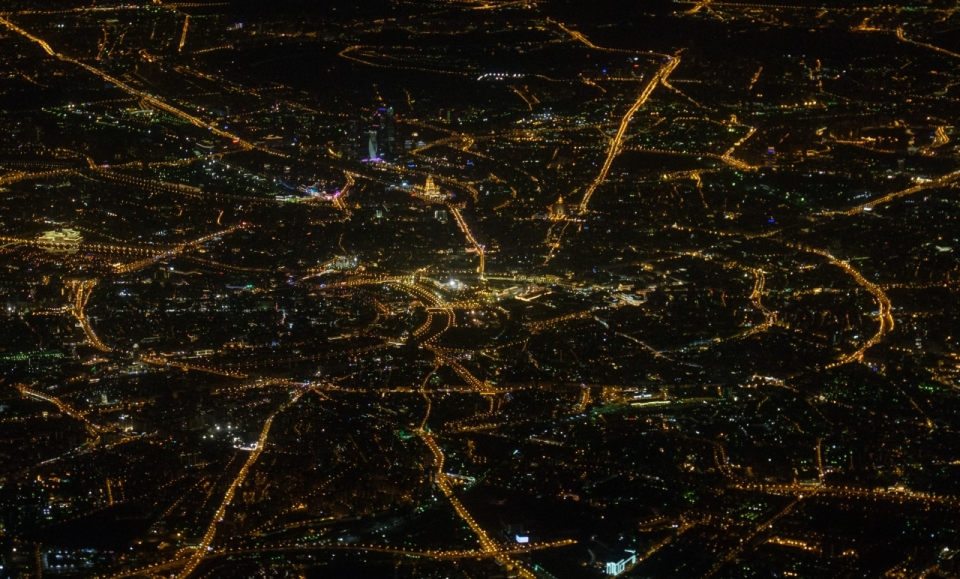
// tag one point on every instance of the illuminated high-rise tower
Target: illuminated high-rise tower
(372, 149)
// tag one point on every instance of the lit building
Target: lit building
(615, 568)
(61, 237)
(377, 139)
(372, 152)
(559, 211)
(770, 159)
(344, 262)
(431, 192)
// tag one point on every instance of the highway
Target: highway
(487, 545)
(174, 251)
(81, 295)
(903, 37)
(883, 303)
(728, 156)
(932, 184)
(756, 296)
(201, 551)
(146, 97)
(183, 36)
(68, 410)
(579, 37)
(299, 548)
(470, 238)
(616, 143)
(23, 176)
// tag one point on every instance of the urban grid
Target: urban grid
(479, 289)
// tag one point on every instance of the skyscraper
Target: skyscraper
(373, 151)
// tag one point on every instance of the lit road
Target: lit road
(932, 184)
(616, 143)
(82, 291)
(160, 361)
(368, 53)
(886, 494)
(470, 238)
(756, 296)
(22, 176)
(543, 325)
(487, 544)
(363, 548)
(883, 302)
(146, 97)
(745, 541)
(903, 37)
(68, 410)
(201, 550)
(183, 36)
(940, 137)
(579, 37)
(728, 156)
(174, 251)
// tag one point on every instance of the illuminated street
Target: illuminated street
(479, 289)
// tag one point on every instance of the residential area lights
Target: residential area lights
(598, 288)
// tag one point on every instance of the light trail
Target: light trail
(755, 78)
(702, 4)
(940, 137)
(756, 296)
(532, 100)
(617, 142)
(338, 202)
(820, 473)
(46, 47)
